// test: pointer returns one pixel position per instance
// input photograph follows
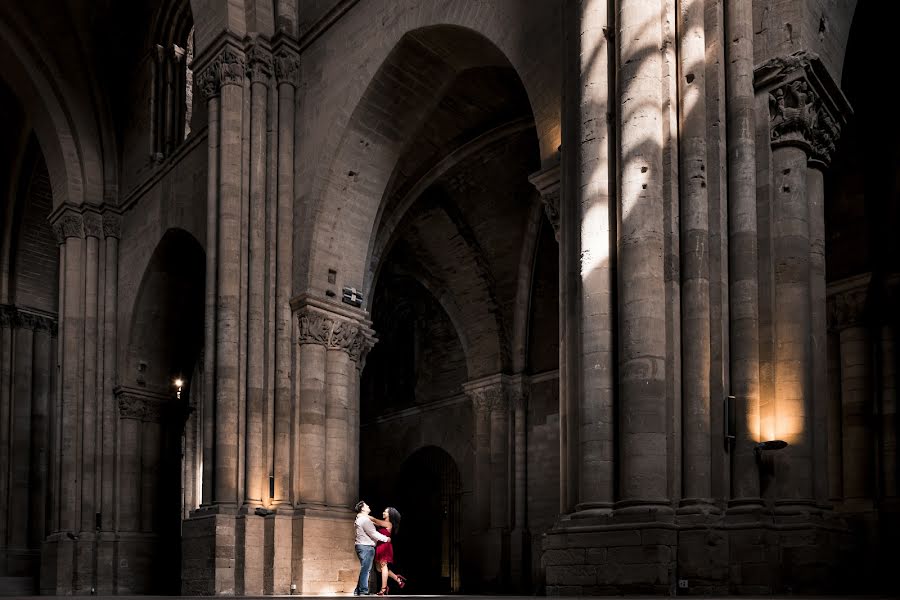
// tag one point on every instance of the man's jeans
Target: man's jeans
(366, 555)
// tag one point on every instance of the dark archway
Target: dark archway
(428, 547)
(166, 338)
(863, 272)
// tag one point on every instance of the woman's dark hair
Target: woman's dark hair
(394, 516)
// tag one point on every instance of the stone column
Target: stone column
(520, 538)
(209, 537)
(110, 420)
(835, 467)
(332, 341)
(695, 236)
(70, 233)
(221, 80)
(93, 230)
(547, 183)
(804, 108)
(742, 244)
(856, 396)
(45, 330)
(287, 65)
(644, 405)
(490, 401)
(20, 438)
(486, 394)
(592, 217)
(259, 69)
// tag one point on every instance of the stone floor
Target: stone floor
(459, 597)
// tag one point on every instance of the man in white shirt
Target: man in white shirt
(366, 537)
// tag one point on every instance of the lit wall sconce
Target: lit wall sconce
(179, 384)
(768, 445)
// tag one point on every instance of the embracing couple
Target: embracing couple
(375, 545)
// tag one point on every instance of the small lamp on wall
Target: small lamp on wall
(179, 384)
(767, 446)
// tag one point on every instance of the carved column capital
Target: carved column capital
(259, 63)
(140, 404)
(546, 182)
(225, 68)
(335, 330)
(490, 394)
(67, 225)
(847, 302)
(806, 106)
(112, 225)
(287, 65)
(93, 224)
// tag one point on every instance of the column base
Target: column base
(208, 554)
(323, 556)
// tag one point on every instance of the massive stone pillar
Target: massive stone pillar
(332, 342)
(805, 110)
(80, 539)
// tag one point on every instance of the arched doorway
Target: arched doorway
(159, 422)
(428, 547)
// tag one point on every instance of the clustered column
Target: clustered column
(332, 343)
(490, 403)
(27, 356)
(82, 474)
(849, 320)
(804, 108)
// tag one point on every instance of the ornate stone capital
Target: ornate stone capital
(259, 63)
(93, 225)
(139, 404)
(225, 68)
(112, 225)
(846, 303)
(287, 66)
(493, 393)
(8, 316)
(334, 331)
(806, 107)
(546, 182)
(68, 225)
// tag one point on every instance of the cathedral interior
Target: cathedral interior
(597, 293)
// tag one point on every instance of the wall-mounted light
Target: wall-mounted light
(179, 383)
(768, 445)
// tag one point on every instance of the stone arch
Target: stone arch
(166, 330)
(74, 176)
(343, 200)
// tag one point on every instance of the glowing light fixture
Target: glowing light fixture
(179, 383)
(761, 447)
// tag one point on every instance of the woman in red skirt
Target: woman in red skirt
(389, 525)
